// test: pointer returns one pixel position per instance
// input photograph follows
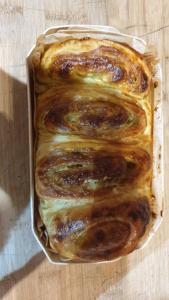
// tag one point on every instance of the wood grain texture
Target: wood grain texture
(143, 275)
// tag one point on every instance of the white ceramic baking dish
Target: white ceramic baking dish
(54, 33)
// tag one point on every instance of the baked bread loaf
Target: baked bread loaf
(93, 124)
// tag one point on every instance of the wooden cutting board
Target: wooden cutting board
(26, 274)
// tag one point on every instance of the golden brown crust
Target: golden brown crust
(109, 63)
(101, 231)
(93, 124)
(69, 110)
(90, 170)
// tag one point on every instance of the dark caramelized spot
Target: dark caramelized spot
(46, 164)
(55, 115)
(144, 82)
(110, 165)
(98, 212)
(119, 119)
(144, 211)
(75, 155)
(154, 215)
(65, 68)
(134, 215)
(43, 233)
(110, 50)
(119, 233)
(155, 84)
(105, 114)
(105, 236)
(131, 165)
(140, 211)
(133, 170)
(76, 178)
(136, 210)
(65, 63)
(92, 120)
(99, 235)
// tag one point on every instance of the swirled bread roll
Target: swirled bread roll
(91, 61)
(90, 170)
(90, 112)
(93, 148)
(99, 231)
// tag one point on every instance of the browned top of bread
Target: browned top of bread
(93, 148)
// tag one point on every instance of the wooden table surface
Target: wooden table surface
(25, 272)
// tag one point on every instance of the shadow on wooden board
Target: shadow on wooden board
(14, 169)
(9, 281)
(14, 153)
